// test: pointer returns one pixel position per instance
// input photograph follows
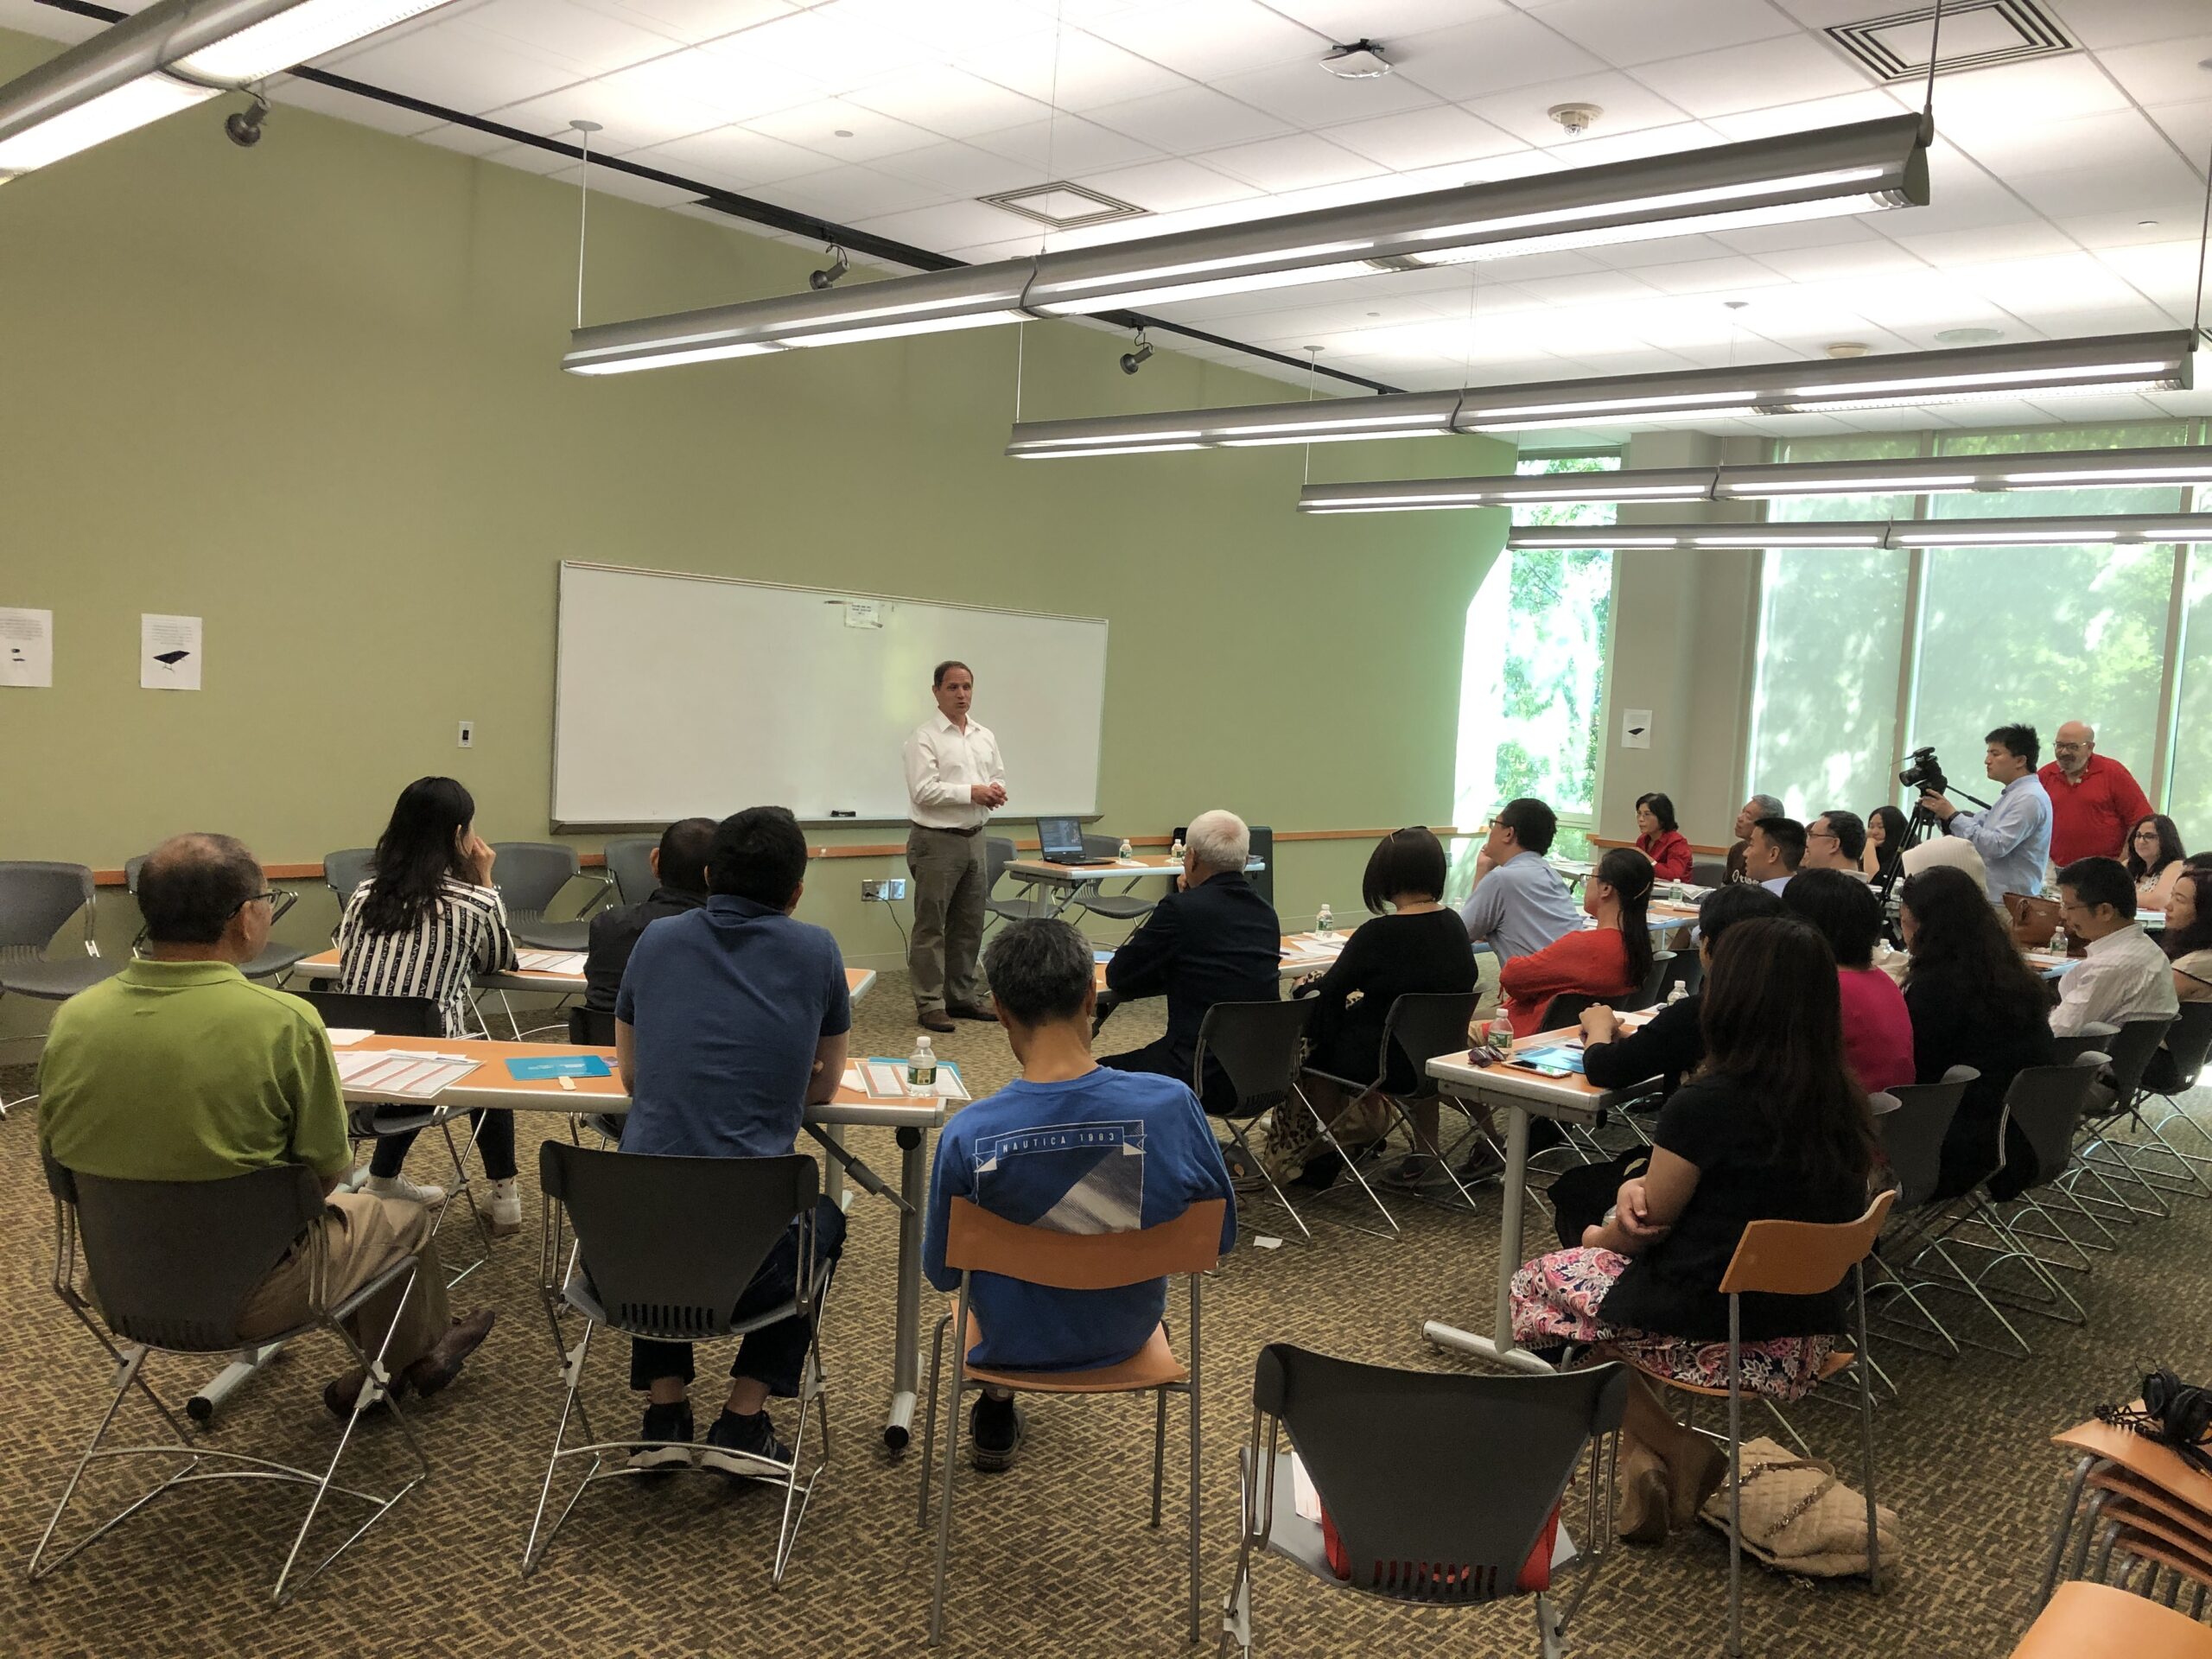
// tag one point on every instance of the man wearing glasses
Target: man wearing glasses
(2124, 976)
(181, 1069)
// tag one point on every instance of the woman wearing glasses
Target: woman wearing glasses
(425, 924)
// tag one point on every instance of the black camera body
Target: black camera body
(1923, 774)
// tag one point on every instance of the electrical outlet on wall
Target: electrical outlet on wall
(889, 890)
(468, 734)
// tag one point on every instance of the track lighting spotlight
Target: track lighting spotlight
(830, 274)
(1132, 361)
(243, 127)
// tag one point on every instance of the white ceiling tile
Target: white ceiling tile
(1301, 94)
(1869, 105)
(1794, 69)
(1488, 55)
(1208, 39)
(2158, 182)
(1598, 287)
(1640, 255)
(1991, 99)
(628, 122)
(989, 253)
(1628, 107)
(843, 194)
(2169, 71)
(1678, 139)
(948, 101)
(694, 21)
(731, 157)
(2071, 281)
(1066, 146)
(1189, 118)
(1443, 136)
(2099, 23)
(1291, 163)
(1876, 256)
(1732, 274)
(290, 92)
(960, 169)
(454, 66)
(817, 126)
(830, 52)
(1387, 20)
(2123, 229)
(2163, 270)
(717, 77)
(944, 224)
(591, 41)
(1068, 71)
(1639, 31)
(1759, 240)
(953, 21)
(1169, 186)
(2188, 125)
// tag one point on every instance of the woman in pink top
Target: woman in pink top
(1877, 1026)
(1658, 840)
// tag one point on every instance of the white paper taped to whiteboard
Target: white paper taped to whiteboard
(677, 694)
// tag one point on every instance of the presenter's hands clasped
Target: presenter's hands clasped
(991, 794)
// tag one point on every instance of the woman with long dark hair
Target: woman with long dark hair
(1611, 959)
(1773, 1128)
(1885, 830)
(1974, 1001)
(1877, 1023)
(2154, 859)
(424, 924)
(2187, 941)
(1660, 839)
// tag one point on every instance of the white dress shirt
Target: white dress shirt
(942, 763)
(2125, 977)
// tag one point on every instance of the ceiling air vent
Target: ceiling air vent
(1976, 35)
(1063, 205)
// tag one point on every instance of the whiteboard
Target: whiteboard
(677, 695)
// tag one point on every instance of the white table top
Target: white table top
(1112, 869)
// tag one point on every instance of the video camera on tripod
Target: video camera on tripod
(1923, 773)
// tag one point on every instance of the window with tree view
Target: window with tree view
(1532, 684)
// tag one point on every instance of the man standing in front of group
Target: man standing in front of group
(2013, 836)
(2094, 800)
(955, 781)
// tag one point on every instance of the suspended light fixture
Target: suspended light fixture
(2123, 531)
(1947, 476)
(2132, 363)
(1864, 168)
(169, 57)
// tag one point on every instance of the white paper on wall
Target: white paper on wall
(26, 647)
(169, 653)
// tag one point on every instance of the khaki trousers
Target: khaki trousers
(949, 883)
(363, 1235)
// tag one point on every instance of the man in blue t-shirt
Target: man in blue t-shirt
(1069, 1146)
(731, 1018)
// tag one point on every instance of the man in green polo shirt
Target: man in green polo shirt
(181, 1069)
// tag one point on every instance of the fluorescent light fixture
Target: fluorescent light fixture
(2135, 530)
(169, 57)
(1862, 167)
(2176, 468)
(2157, 362)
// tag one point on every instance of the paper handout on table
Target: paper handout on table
(347, 1036)
(885, 1079)
(408, 1074)
(550, 962)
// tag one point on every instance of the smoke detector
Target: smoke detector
(1362, 61)
(1575, 117)
(1841, 348)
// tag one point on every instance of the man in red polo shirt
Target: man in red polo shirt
(2094, 802)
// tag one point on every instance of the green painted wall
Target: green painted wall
(310, 394)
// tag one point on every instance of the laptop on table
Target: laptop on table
(1060, 841)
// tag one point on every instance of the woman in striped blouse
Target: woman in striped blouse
(424, 924)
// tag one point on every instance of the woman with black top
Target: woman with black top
(1773, 1126)
(1974, 1001)
(1669, 1046)
(1885, 831)
(1410, 944)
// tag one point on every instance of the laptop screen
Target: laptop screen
(1059, 835)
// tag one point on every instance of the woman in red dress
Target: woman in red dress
(1658, 840)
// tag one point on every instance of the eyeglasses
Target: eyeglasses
(278, 901)
(1822, 834)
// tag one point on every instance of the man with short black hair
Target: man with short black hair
(1072, 1146)
(731, 1018)
(1835, 841)
(1775, 853)
(1519, 905)
(2125, 977)
(2013, 836)
(956, 780)
(1214, 939)
(181, 1069)
(679, 866)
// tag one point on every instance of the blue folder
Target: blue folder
(559, 1066)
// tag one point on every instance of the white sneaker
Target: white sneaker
(398, 1186)
(501, 1208)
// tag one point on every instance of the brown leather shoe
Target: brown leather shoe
(442, 1363)
(991, 1014)
(340, 1392)
(933, 1020)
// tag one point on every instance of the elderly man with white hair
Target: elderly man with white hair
(1213, 940)
(2094, 800)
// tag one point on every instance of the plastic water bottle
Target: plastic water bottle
(921, 1069)
(1176, 852)
(1676, 996)
(1125, 850)
(1324, 922)
(2058, 942)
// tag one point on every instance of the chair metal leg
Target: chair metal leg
(1351, 1168)
(1159, 1448)
(1197, 1459)
(1866, 1434)
(1735, 1478)
(1239, 1132)
(952, 1458)
(929, 1423)
(533, 1551)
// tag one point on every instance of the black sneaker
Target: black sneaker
(994, 1432)
(744, 1446)
(670, 1426)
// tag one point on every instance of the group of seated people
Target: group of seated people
(731, 1017)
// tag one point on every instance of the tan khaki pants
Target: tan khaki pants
(363, 1235)
(948, 882)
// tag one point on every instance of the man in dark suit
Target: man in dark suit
(1213, 940)
(680, 884)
